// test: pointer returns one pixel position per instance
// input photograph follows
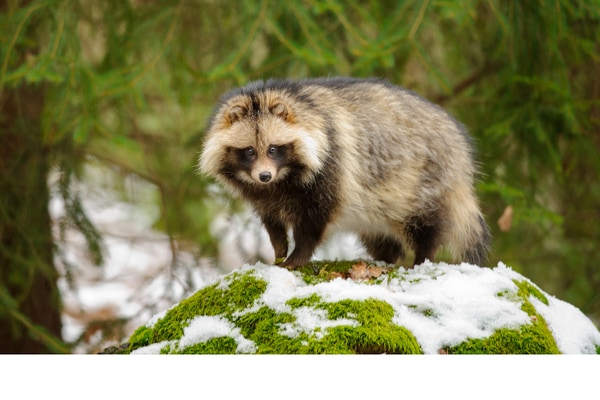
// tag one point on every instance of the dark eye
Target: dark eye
(250, 152)
(272, 150)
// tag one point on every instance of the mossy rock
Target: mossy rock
(331, 308)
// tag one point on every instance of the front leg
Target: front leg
(307, 236)
(279, 240)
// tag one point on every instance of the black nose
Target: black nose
(265, 176)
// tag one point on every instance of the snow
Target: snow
(139, 277)
(312, 321)
(203, 328)
(573, 332)
(463, 299)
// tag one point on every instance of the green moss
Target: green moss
(533, 338)
(141, 337)
(309, 301)
(429, 312)
(262, 327)
(168, 349)
(528, 339)
(244, 290)
(322, 271)
(425, 311)
(509, 295)
(221, 345)
(526, 289)
(376, 333)
(241, 292)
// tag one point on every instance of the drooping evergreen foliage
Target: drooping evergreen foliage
(130, 84)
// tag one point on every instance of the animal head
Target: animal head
(259, 137)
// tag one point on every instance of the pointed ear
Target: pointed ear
(282, 111)
(235, 114)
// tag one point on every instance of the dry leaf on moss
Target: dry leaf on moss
(335, 274)
(358, 271)
(363, 271)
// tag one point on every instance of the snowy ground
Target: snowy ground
(139, 277)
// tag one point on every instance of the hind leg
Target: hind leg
(425, 235)
(383, 248)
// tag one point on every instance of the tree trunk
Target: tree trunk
(29, 297)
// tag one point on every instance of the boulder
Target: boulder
(361, 307)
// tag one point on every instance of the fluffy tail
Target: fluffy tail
(468, 237)
(477, 251)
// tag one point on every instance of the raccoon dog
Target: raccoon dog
(359, 155)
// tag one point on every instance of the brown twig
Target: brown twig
(469, 81)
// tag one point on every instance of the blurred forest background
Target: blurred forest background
(114, 96)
